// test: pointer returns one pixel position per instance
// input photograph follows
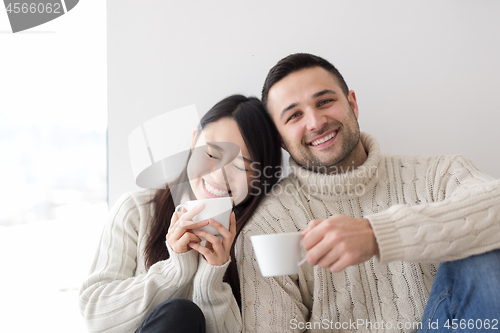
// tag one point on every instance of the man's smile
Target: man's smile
(323, 140)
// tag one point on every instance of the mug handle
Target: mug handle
(180, 206)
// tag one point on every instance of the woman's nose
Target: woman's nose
(218, 176)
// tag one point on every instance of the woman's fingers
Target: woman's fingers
(179, 231)
(188, 225)
(221, 229)
(227, 235)
(173, 220)
(208, 254)
(176, 217)
(227, 242)
(232, 224)
(184, 219)
(212, 239)
(215, 251)
(179, 236)
(219, 254)
(180, 245)
(188, 216)
(189, 237)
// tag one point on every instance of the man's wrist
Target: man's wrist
(375, 243)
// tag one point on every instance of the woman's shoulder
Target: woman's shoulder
(133, 201)
(135, 197)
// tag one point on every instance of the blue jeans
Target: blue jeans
(465, 296)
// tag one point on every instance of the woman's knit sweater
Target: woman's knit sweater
(423, 210)
(119, 292)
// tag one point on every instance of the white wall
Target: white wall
(426, 73)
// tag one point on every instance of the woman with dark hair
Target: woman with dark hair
(151, 272)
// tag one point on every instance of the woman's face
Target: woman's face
(220, 155)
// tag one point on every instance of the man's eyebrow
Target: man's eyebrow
(316, 95)
(324, 92)
(288, 108)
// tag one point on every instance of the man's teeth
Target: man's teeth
(326, 138)
(215, 191)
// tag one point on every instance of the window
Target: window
(53, 165)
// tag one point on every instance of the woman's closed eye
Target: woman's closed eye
(239, 168)
(212, 156)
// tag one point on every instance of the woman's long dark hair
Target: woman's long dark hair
(263, 143)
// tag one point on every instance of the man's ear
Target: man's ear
(351, 97)
(193, 138)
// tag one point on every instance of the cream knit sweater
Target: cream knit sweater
(423, 210)
(119, 292)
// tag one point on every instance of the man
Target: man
(375, 227)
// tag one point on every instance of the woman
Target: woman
(138, 281)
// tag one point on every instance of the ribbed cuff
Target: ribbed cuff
(187, 261)
(210, 275)
(387, 236)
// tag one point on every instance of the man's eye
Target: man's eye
(325, 101)
(295, 115)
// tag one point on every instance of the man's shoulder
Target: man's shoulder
(414, 157)
(433, 170)
(284, 189)
(280, 206)
(420, 160)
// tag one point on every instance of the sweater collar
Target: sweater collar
(353, 182)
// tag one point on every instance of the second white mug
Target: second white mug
(278, 254)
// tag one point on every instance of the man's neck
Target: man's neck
(354, 160)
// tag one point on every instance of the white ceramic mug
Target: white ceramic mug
(218, 209)
(278, 254)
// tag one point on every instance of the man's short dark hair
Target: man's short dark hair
(294, 63)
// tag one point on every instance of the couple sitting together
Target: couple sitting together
(393, 243)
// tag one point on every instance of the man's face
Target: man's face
(317, 123)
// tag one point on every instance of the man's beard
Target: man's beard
(340, 163)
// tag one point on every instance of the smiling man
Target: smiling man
(394, 243)
(317, 120)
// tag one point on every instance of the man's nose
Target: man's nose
(315, 120)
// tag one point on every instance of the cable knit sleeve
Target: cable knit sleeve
(215, 298)
(461, 218)
(113, 298)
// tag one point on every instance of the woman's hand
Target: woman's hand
(215, 251)
(180, 233)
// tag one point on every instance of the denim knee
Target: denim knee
(481, 265)
(477, 276)
(465, 289)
